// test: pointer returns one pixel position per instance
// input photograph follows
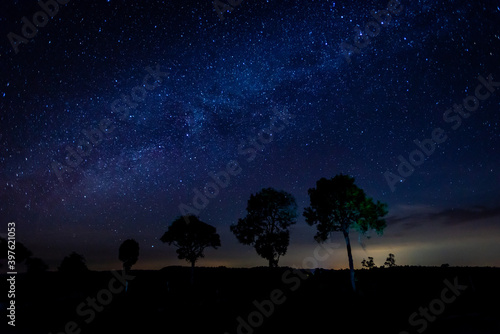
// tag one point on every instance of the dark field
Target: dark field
(292, 302)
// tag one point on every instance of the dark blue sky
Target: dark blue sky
(213, 86)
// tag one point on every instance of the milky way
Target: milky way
(155, 96)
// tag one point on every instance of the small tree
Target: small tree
(128, 253)
(74, 263)
(270, 213)
(337, 205)
(369, 264)
(191, 236)
(390, 261)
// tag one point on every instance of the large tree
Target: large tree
(191, 236)
(270, 213)
(337, 205)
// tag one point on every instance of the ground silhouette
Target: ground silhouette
(309, 301)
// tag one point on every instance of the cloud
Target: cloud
(458, 216)
(411, 216)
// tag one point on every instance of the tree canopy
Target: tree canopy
(390, 261)
(191, 236)
(337, 204)
(270, 213)
(73, 263)
(128, 253)
(368, 264)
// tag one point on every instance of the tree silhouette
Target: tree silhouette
(270, 213)
(36, 265)
(21, 252)
(191, 236)
(74, 263)
(369, 264)
(128, 253)
(337, 204)
(390, 261)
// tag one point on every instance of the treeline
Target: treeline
(336, 205)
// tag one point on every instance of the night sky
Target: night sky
(213, 88)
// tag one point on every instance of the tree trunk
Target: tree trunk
(192, 272)
(349, 255)
(273, 263)
(125, 273)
